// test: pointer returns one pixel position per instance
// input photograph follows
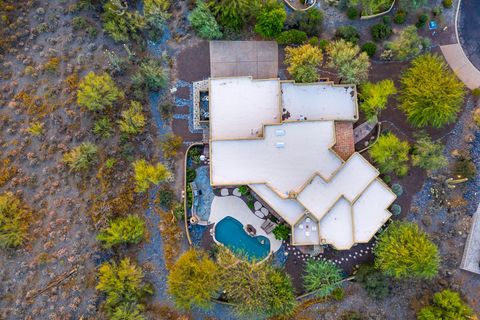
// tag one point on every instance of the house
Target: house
(292, 144)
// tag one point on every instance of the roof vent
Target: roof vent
(280, 144)
(279, 132)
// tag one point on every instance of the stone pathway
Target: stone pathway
(471, 255)
(460, 64)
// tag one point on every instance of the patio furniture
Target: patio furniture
(268, 226)
(307, 233)
(308, 220)
(251, 230)
(314, 228)
(300, 226)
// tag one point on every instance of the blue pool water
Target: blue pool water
(229, 232)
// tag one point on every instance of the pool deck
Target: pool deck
(236, 208)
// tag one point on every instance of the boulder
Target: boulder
(257, 205)
(224, 192)
(236, 192)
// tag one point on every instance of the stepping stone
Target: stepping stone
(259, 214)
(236, 192)
(224, 192)
(257, 205)
(265, 211)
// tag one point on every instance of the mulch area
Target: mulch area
(180, 128)
(193, 63)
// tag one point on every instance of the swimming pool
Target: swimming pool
(229, 231)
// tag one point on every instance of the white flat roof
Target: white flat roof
(370, 210)
(290, 209)
(350, 181)
(285, 159)
(306, 232)
(336, 228)
(239, 107)
(317, 101)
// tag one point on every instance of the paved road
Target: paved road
(469, 30)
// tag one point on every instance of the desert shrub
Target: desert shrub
(258, 290)
(292, 37)
(124, 230)
(446, 304)
(352, 13)
(380, 31)
(178, 211)
(191, 174)
(156, 15)
(303, 62)
(323, 44)
(476, 116)
(270, 20)
(166, 198)
(397, 189)
(309, 21)
(447, 3)
(171, 145)
(391, 154)
(427, 154)
(476, 92)
(14, 221)
(374, 97)
(151, 75)
(348, 33)
(81, 157)
(369, 48)
(36, 129)
(405, 251)
(431, 93)
(400, 17)
(133, 120)
(244, 190)
(146, 174)
(464, 168)
(351, 64)
(193, 281)
(322, 277)
(351, 315)
(232, 14)
(124, 288)
(437, 11)
(282, 232)
(102, 127)
(408, 44)
(204, 22)
(120, 23)
(387, 20)
(52, 65)
(313, 41)
(97, 92)
(79, 23)
(375, 283)
(396, 209)
(422, 21)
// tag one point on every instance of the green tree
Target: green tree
(103, 127)
(447, 305)
(348, 33)
(374, 97)
(282, 232)
(321, 276)
(121, 23)
(14, 221)
(232, 14)
(375, 283)
(124, 288)
(292, 37)
(408, 44)
(303, 62)
(146, 174)
(133, 120)
(431, 94)
(204, 22)
(258, 290)
(391, 154)
(97, 92)
(351, 64)
(156, 15)
(124, 230)
(380, 31)
(427, 154)
(193, 281)
(151, 75)
(405, 251)
(270, 21)
(171, 145)
(81, 157)
(309, 21)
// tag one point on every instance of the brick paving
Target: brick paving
(345, 145)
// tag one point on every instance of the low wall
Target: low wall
(298, 9)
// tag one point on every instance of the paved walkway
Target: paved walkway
(471, 254)
(458, 61)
